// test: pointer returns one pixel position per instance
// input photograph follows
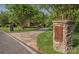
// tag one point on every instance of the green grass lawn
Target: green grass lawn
(45, 40)
(16, 29)
(19, 29)
(45, 43)
(6, 29)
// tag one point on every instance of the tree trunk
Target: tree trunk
(28, 23)
(11, 27)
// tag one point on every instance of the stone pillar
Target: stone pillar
(63, 35)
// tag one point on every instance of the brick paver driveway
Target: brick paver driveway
(29, 38)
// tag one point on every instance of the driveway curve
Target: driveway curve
(10, 46)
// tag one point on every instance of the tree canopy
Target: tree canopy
(21, 13)
(3, 19)
(24, 14)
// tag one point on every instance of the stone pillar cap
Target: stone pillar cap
(62, 21)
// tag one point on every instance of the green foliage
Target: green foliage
(39, 19)
(75, 49)
(3, 19)
(45, 43)
(43, 14)
(6, 29)
(24, 15)
(21, 14)
(66, 11)
(17, 29)
(61, 12)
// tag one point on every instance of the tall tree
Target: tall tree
(3, 19)
(64, 11)
(21, 14)
(44, 12)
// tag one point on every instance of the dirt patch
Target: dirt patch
(30, 38)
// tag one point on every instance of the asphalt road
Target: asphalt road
(10, 46)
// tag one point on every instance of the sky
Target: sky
(2, 7)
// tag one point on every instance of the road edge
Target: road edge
(30, 49)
